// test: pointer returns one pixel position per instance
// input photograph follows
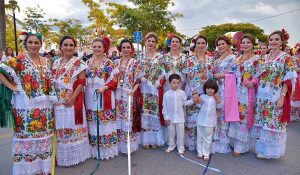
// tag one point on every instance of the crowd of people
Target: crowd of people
(97, 104)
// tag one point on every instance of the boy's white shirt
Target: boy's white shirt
(208, 111)
(173, 102)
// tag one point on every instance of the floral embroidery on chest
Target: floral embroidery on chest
(32, 82)
(273, 73)
(173, 65)
(101, 71)
(151, 68)
(65, 73)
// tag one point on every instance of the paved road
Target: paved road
(156, 162)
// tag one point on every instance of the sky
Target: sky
(197, 13)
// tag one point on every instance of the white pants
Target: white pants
(176, 129)
(204, 139)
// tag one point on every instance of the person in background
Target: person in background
(114, 55)
(9, 53)
(1, 55)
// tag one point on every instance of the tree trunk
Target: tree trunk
(2, 25)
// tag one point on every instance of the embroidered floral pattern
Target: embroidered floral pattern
(105, 116)
(106, 141)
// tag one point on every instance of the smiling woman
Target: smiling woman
(70, 118)
(29, 77)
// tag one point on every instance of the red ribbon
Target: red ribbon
(107, 94)
(160, 101)
(78, 104)
(286, 111)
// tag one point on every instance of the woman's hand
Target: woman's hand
(69, 102)
(280, 102)
(219, 75)
(249, 84)
(15, 89)
(131, 93)
(102, 89)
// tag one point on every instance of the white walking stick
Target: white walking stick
(128, 137)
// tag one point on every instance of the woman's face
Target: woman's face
(33, 44)
(200, 45)
(275, 42)
(263, 49)
(151, 43)
(9, 51)
(68, 48)
(287, 50)
(126, 49)
(222, 46)
(246, 45)
(98, 48)
(175, 44)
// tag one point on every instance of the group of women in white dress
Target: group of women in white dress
(95, 107)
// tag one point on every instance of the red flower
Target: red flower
(35, 85)
(44, 120)
(77, 63)
(21, 66)
(27, 78)
(36, 113)
(287, 60)
(18, 130)
(53, 71)
(255, 63)
(242, 117)
(209, 67)
(68, 131)
(263, 75)
(266, 112)
(48, 83)
(18, 121)
(21, 56)
(241, 68)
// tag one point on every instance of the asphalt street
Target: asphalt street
(156, 162)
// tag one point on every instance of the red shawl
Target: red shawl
(160, 101)
(297, 89)
(107, 94)
(286, 111)
(78, 104)
(136, 109)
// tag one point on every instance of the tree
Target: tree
(146, 16)
(72, 27)
(214, 31)
(34, 19)
(2, 25)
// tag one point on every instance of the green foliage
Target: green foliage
(146, 16)
(34, 19)
(212, 32)
(72, 27)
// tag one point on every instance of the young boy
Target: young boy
(173, 102)
(207, 118)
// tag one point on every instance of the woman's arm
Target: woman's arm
(6, 83)
(70, 102)
(282, 95)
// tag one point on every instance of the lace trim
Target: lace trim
(105, 153)
(150, 122)
(153, 138)
(72, 153)
(37, 166)
(239, 132)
